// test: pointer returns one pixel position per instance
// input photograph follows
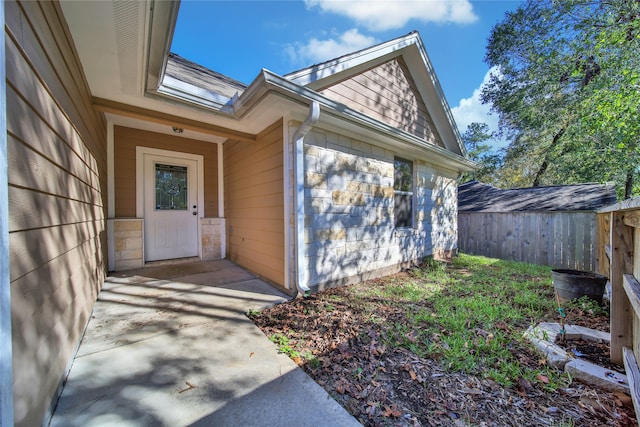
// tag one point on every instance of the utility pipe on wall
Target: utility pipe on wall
(298, 165)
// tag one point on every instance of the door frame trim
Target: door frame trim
(199, 159)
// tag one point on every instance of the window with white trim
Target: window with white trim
(403, 192)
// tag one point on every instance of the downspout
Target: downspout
(299, 172)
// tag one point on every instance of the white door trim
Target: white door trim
(199, 159)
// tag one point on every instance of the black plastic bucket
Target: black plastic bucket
(573, 284)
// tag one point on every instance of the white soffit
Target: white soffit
(109, 37)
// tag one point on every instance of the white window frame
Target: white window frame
(411, 193)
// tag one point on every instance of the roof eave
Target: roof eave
(268, 81)
(161, 26)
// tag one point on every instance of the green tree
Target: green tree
(476, 139)
(566, 90)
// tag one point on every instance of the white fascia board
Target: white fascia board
(441, 113)
(375, 54)
(160, 28)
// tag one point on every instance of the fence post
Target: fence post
(621, 319)
(603, 243)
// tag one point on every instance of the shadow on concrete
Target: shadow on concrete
(162, 350)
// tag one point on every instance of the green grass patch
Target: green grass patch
(471, 315)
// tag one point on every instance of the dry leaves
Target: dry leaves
(384, 386)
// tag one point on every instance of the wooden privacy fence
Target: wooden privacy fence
(619, 235)
(556, 239)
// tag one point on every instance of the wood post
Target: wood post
(621, 263)
(603, 243)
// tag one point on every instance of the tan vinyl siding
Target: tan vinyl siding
(56, 146)
(125, 142)
(388, 93)
(254, 203)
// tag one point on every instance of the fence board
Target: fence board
(556, 239)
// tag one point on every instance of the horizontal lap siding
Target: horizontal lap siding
(254, 203)
(125, 142)
(56, 147)
(389, 94)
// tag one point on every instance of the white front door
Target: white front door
(170, 207)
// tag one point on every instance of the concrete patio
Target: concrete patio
(171, 346)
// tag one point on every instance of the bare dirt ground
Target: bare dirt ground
(383, 386)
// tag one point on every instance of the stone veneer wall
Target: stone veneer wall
(349, 225)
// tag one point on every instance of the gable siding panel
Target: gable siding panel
(56, 146)
(125, 142)
(389, 94)
(254, 203)
(405, 113)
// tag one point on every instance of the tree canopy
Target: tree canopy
(476, 140)
(566, 87)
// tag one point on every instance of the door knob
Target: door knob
(195, 213)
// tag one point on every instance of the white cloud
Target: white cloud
(316, 50)
(381, 15)
(471, 109)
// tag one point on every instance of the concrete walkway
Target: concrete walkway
(171, 346)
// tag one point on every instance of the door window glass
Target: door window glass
(171, 187)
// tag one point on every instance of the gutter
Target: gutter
(297, 142)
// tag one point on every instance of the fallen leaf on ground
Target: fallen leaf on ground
(543, 378)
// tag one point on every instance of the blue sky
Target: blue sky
(239, 38)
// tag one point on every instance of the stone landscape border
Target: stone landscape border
(543, 336)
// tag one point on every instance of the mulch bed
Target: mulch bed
(594, 352)
(381, 386)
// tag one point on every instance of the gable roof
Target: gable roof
(187, 71)
(188, 80)
(411, 49)
(475, 196)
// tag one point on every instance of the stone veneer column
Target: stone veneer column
(127, 241)
(213, 235)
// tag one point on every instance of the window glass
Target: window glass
(171, 187)
(403, 193)
(403, 175)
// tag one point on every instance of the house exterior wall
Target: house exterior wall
(57, 194)
(349, 231)
(254, 203)
(389, 94)
(125, 142)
